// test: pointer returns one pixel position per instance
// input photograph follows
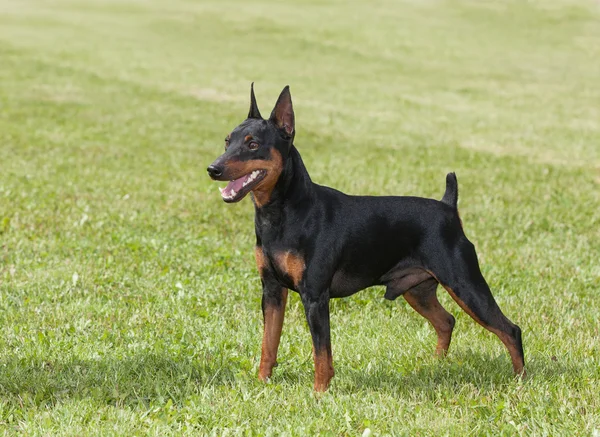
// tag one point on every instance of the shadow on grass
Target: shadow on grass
(148, 379)
(482, 371)
(128, 381)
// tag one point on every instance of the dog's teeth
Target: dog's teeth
(221, 190)
(250, 178)
(233, 193)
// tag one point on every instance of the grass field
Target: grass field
(129, 298)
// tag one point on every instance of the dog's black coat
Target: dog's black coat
(326, 244)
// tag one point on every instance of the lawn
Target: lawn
(129, 297)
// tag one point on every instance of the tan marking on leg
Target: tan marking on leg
(262, 191)
(273, 320)
(261, 259)
(323, 369)
(440, 319)
(515, 356)
(292, 265)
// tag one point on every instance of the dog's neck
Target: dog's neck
(293, 187)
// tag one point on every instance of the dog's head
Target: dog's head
(256, 151)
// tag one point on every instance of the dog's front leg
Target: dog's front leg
(273, 306)
(316, 307)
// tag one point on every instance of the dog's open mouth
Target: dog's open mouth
(237, 189)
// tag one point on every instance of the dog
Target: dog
(324, 244)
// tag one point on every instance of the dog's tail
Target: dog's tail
(451, 195)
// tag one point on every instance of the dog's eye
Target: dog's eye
(226, 143)
(253, 145)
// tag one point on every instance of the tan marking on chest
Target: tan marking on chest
(261, 259)
(292, 265)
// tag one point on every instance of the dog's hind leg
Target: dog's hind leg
(462, 278)
(423, 299)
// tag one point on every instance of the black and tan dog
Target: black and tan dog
(325, 244)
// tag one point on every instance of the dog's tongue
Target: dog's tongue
(233, 187)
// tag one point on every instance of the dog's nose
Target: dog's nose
(214, 171)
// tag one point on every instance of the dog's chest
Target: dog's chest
(286, 265)
(279, 250)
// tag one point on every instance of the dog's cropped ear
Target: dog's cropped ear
(254, 112)
(283, 112)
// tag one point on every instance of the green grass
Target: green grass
(129, 299)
